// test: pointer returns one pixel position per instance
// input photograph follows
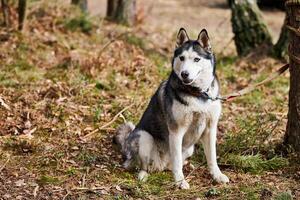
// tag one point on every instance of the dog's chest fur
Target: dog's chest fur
(195, 117)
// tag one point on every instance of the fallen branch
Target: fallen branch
(104, 127)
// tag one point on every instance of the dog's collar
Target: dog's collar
(190, 90)
(196, 92)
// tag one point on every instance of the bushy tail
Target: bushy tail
(122, 133)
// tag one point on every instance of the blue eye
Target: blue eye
(181, 58)
(196, 59)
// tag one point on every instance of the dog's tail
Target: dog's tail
(122, 134)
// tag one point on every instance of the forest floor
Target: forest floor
(69, 80)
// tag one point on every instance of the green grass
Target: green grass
(246, 151)
(254, 163)
(284, 196)
(46, 179)
(79, 23)
(20, 72)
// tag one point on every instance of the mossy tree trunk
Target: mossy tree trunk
(281, 47)
(122, 11)
(292, 136)
(83, 4)
(248, 26)
(22, 13)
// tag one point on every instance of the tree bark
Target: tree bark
(272, 3)
(248, 26)
(83, 4)
(281, 47)
(5, 13)
(292, 136)
(22, 13)
(122, 11)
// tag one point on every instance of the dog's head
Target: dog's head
(193, 60)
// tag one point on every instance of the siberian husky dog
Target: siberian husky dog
(183, 111)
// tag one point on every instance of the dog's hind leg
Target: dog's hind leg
(187, 153)
(146, 145)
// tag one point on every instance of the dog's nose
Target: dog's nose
(184, 74)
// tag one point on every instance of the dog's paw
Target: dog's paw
(221, 178)
(143, 176)
(183, 185)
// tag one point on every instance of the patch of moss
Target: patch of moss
(46, 180)
(79, 23)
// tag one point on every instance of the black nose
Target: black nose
(185, 74)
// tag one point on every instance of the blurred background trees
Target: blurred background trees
(122, 11)
(281, 47)
(83, 4)
(5, 13)
(250, 30)
(22, 13)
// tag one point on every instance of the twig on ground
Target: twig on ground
(3, 166)
(68, 193)
(195, 168)
(110, 42)
(35, 191)
(104, 127)
(124, 119)
(87, 188)
(2, 103)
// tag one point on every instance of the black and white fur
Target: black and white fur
(181, 113)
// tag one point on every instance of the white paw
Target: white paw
(183, 185)
(221, 178)
(143, 176)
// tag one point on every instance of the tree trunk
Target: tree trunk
(272, 4)
(292, 136)
(281, 47)
(22, 13)
(122, 11)
(248, 26)
(5, 12)
(83, 4)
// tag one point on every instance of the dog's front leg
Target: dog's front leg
(175, 145)
(209, 145)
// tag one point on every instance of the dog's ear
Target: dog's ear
(203, 40)
(182, 37)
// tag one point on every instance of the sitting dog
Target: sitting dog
(183, 111)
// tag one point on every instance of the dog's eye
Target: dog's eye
(196, 59)
(181, 58)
